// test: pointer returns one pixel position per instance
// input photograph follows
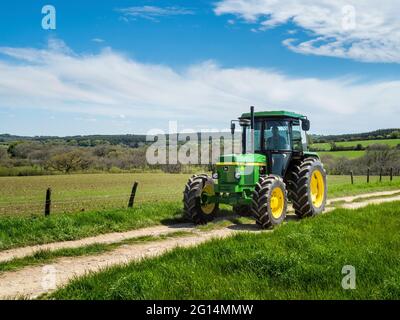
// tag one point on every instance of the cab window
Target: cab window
(297, 136)
(257, 137)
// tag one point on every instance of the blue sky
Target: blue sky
(130, 66)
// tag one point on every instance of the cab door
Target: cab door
(277, 145)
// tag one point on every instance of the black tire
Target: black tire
(242, 210)
(299, 187)
(192, 202)
(261, 203)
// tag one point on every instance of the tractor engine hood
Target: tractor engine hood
(242, 160)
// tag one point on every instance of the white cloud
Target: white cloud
(367, 30)
(110, 84)
(152, 12)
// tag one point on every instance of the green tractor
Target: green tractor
(275, 167)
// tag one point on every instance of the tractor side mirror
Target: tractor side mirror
(233, 127)
(305, 124)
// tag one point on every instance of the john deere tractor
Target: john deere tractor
(274, 167)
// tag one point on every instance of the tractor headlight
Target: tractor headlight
(238, 175)
(215, 175)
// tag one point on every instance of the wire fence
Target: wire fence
(84, 203)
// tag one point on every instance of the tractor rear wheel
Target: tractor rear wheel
(196, 207)
(269, 203)
(308, 188)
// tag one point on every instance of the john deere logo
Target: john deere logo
(226, 168)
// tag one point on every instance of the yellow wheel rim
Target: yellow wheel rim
(317, 189)
(208, 190)
(277, 202)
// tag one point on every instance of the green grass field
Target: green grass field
(364, 143)
(352, 154)
(343, 154)
(299, 260)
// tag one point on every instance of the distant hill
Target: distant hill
(372, 135)
(89, 140)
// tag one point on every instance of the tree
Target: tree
(69, 161)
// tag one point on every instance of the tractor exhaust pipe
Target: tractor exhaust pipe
(252, 128)
(252, 117)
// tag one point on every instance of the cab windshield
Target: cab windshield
(277, 135)
(274, 133)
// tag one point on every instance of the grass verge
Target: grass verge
(299, 260)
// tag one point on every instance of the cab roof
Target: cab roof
(267, 114)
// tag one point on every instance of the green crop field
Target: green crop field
(82, 192)
(364, 143)
(299, 260)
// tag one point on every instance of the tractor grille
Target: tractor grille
(226, 174)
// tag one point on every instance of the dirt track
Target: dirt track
(103, 239)
(28, 282)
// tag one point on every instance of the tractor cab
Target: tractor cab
(279, 135)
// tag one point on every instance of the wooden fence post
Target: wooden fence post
(352, 177)
(380, 174)
(47, 205)
(133, 194)
(391, 174)
(368, 175)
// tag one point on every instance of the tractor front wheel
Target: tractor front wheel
(269, 203)
(197, 208)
